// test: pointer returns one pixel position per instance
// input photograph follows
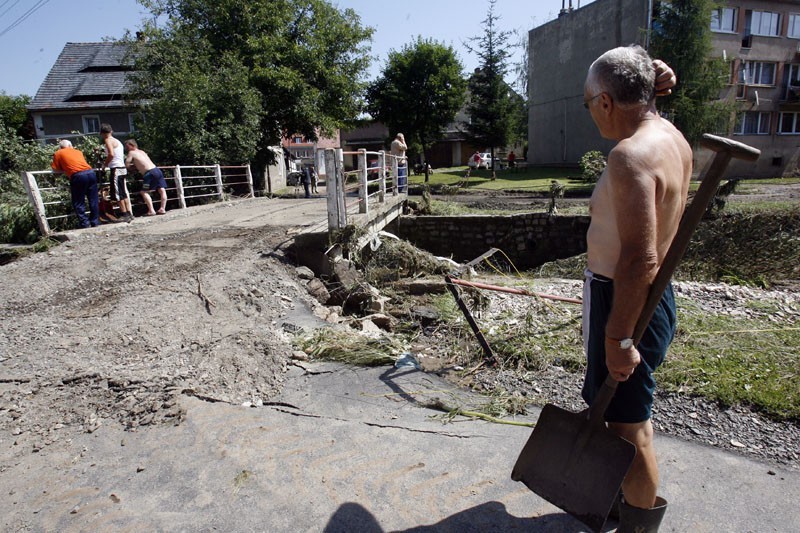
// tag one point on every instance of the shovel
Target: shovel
(573, 460)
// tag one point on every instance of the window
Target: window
(789, 124)
(753, 123)
(794, 26)
(723, 19)
(297, 139)
(791, 83)
(757, 73)
(91, 124)
(131, 122)
(762, 23)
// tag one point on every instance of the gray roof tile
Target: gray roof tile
(85, 76)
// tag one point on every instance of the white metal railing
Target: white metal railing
(49, 194)
(353, 191)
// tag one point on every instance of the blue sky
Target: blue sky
(33, 32)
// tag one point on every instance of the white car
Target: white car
(485, 162)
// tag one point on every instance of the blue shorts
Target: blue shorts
(633, 401)
(154, 179)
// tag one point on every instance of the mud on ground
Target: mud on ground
(114, 325)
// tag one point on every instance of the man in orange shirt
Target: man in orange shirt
(82, 182)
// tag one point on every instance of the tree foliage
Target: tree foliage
(493, 106)
(224, 79)
(682, 38)
(15, 116)
(419, 92)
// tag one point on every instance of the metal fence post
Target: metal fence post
(341, 204)
(395, 185)
(363, 193)
(382, 176)
(35, 197)
(179, 187)
(250, 180)
(218, 175)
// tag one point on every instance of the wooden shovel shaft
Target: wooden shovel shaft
(725, 149)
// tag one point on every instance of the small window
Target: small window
(762, 23)
(297, 140)
(91, 124)
(793, 30)
(131, 122)
(723, 19)
(753, 123)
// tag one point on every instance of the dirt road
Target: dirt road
(115, 324)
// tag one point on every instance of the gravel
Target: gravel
(737, 428)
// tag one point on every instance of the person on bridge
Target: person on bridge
(635, 211)
(115, 162)
(82, 183)
(398, 149)
(153, 177)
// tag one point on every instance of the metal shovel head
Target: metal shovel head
(574, 464)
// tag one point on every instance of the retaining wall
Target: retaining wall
(529, 239)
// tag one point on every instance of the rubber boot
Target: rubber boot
(636, 520)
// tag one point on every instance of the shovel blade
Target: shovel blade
(575, 465)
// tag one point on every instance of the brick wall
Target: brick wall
(529, 240)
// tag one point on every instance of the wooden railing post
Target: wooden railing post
(179, 187)
(334, 188)
(35, 197)
(218, 175)
(363, 191)
(382, 176)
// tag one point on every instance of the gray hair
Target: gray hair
(65, 144)
(626, 74)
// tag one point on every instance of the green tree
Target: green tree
(491, 106)
(239, 75)
(682, 38)
(15, 116)
(419, 92)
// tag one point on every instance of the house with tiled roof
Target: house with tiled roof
(87, 86)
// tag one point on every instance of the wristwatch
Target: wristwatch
(624, 344)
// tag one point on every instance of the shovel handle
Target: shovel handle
(726, 149)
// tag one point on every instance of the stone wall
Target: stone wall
(529, 240)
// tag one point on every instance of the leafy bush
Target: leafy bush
(17, 224)
(592, 165)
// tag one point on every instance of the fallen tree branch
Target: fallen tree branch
(206, 300)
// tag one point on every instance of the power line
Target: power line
(9, 7)
(24, 16)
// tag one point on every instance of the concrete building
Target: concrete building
(760, 39)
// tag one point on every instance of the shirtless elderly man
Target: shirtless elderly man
(153, 177)
(635, 211)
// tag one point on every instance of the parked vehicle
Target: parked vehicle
(485, 162)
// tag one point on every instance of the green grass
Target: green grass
(532, 179)
(735, 360)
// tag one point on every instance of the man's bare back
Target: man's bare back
(642, 191)
(140, 160)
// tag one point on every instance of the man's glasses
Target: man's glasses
(586, 101)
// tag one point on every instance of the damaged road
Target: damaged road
(146, 384)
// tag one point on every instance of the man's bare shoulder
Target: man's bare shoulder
(658, 141)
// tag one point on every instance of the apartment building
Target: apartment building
(760, 40)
